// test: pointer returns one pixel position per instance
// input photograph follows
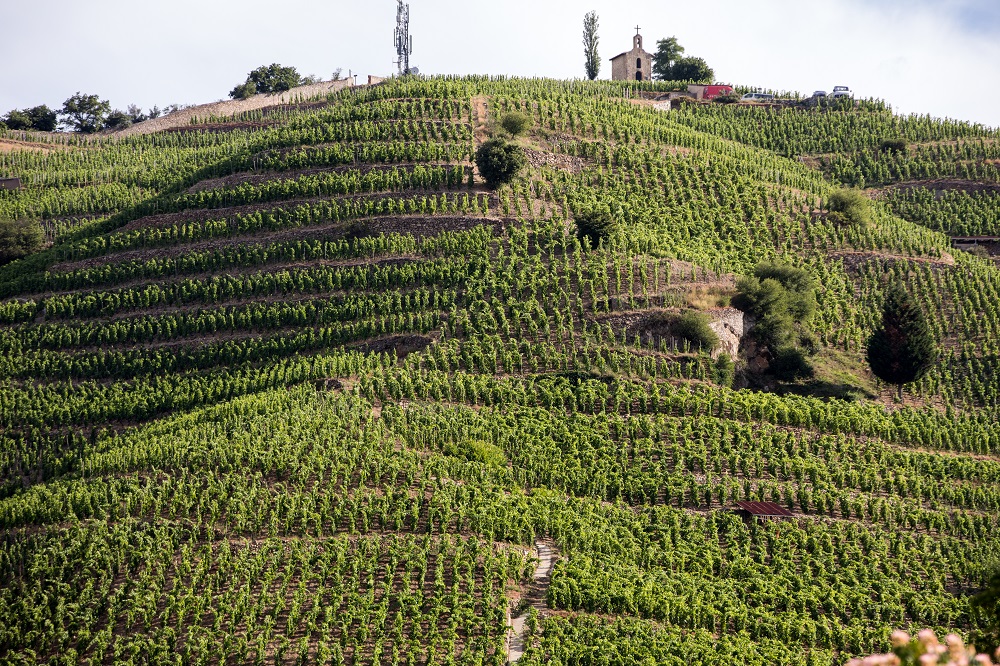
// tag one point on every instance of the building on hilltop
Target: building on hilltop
(635, 64)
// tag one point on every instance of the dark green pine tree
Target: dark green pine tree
(903, 349)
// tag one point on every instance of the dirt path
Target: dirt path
(480, 105)
(536, 598)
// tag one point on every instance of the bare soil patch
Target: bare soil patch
(639, 101)
(853, 259)
(678, 151)
(222, 128)
(422, 226)
(943, 184)
(10, 145)
(811, 161)
(538, 159)
(259, 177)
(956, 142)
(402, 345)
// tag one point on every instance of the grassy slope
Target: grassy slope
(256, 416)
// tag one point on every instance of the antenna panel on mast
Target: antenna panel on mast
(403, 40)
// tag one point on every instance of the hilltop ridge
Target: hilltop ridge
(231, 107)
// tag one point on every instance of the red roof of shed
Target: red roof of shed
(766, 509)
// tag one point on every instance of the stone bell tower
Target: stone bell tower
(634, 65)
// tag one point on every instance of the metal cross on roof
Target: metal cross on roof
(637, 30)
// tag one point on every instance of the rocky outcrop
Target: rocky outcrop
(652, 328)
(730, 325)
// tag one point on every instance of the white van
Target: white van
(757, 97)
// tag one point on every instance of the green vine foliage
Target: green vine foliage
(292, 386)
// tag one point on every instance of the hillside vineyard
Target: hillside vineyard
(294, 387)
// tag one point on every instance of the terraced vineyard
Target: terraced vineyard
(296, 387)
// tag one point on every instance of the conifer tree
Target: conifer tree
(903, 349)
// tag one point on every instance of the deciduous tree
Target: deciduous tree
(19, 238)
(850, 207)
(116, 120)
(669, 63)
(243, 91)
(695, 327)
(85, 113)
(274, 78)
(515, 123)
(667, 51)
(782, 300)
(39, 118)
(499, 161)
(595, 222)
(692, 69)
(590, 42)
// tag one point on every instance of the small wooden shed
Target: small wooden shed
(10, 183)
(761, 511)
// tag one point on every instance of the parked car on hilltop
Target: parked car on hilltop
(757, 97)
(841, 91)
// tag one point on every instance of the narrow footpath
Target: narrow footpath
(535, 597)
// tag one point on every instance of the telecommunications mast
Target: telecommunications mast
(404, 41)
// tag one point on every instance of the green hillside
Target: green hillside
(295, 387)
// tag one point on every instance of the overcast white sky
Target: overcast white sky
(927, 56)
